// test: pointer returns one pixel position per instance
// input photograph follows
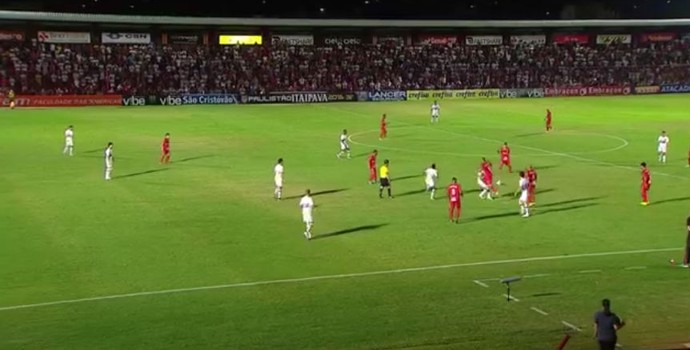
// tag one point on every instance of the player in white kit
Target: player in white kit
(662, 148)
(344, 145)
(430, 179)
(278, 179)
(307, 206)
(69, 141)
(435, 112)
(523, 189)
(109, 159)
(486, 191)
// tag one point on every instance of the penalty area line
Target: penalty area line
(335, 277)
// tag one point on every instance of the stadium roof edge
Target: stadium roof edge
(295, 22)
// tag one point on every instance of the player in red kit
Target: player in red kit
(531, 174)
(505, 157)
(165, 149)
(372, 167)
(454, 197)
(549, 127)
(384, 128)
(488, 175)
(646, 183)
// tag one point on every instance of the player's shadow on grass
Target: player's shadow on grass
(350, 230)
(395, 179)
(320, 193)
(189, 159)
(509, 192)
(141, 173)
(545, 294)
(91, 151)
(534, 212)
(409, 193)
(672, 200)
(570, 201)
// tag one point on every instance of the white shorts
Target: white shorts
(307, 218)
(523, 197)
(344, 147)
(434, 114)
(430, 186)
(108, 164)
(69, 142)
(662, 149)
(482, 185)
(278, 181)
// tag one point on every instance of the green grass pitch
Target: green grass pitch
(382, 274)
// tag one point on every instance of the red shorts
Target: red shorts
(455, 205)
(372, 173)
(645, 189)
(505, 161)
(166, 151)
(488, 180)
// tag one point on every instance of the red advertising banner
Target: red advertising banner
(570, 38)
(65, 101)
(437, 39)
(657, 37)
(587, 91)
(7, 35)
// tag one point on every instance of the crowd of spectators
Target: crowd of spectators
(36, 68)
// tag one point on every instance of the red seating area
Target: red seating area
(34, 68)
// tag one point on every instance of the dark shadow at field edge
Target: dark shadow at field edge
(188, 159)
(515, 213)
(141, 173)
(350, 230)
(320, 193)
(679, 199)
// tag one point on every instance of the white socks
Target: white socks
(433, 193)
(68, 149)
(278, 193)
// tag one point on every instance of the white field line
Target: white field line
(539, 311)
(566, 155)
(571, 326)
(480, 283)
(339, 276)
(539, 275)
(589, 271)
(511, 298)
(635, 268)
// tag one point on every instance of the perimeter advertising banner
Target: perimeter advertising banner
(422, 95)
(607, 39)
(675, 88)
(528, 39)
(299, 97)
(64, 37)
(181, 39)
(226, 39)
(645, 90)
(10, 35)
(66, 100)
(125, 38)
(437, 39)
(521, 93)
(198, 99)
(483, 40)
(657, 37)
(571, 38)
(293, 40)
(340, 41)
(377, 96)
(588, 91)
(396, 40)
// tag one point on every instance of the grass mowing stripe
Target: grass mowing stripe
(340, 276)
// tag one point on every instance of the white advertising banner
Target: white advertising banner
(483, 40)
(64, 37)
(125, 38)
